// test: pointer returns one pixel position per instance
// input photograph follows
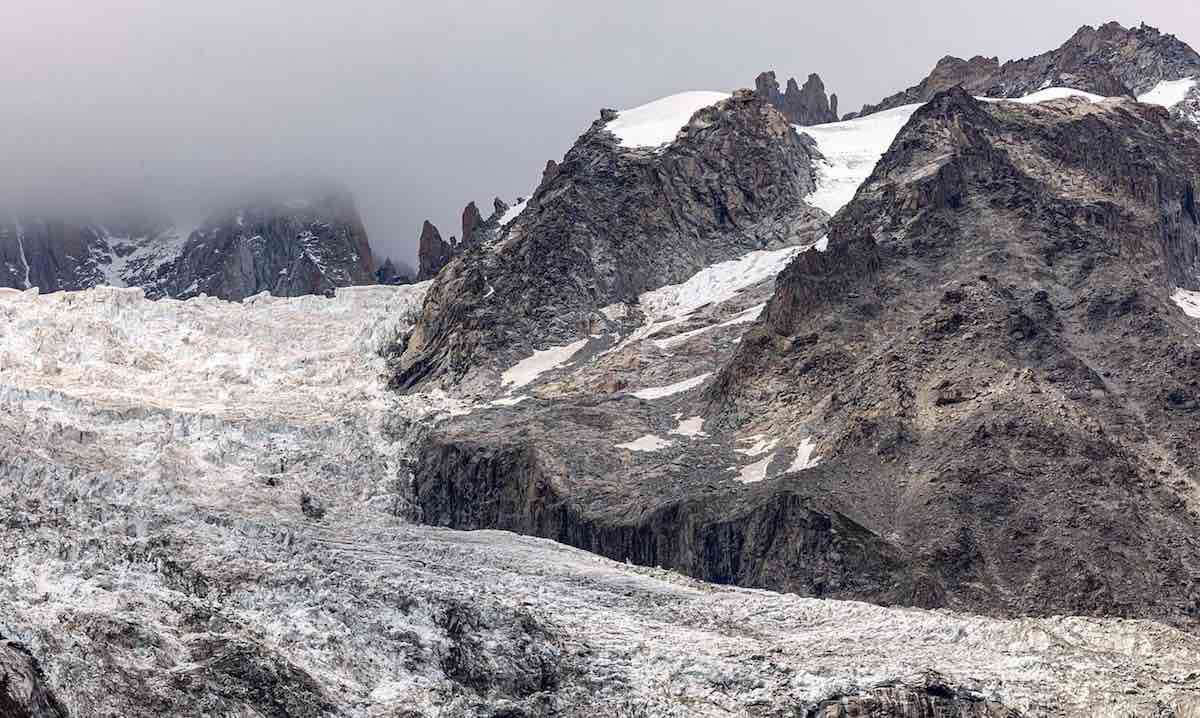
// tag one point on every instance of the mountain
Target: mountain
(1109, 61)
(973, 395)
(309, 243)
(644, 198)
(892, 416)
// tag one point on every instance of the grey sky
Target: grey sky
(422, 106)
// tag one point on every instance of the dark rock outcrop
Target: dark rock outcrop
(1110, 61)
(306, 244)
(610, 223)
(288, 247)
(921, 696)
(433, 252)
(23, 689)
(53, 255)
(472, 226)
(391, 273)
(807, 105)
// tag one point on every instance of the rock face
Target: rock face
(807, 105)
(918, 696)
(433, 252)
(609, 223)
(301, 245)
(1110, 61)
(288, 247)
(23, 689)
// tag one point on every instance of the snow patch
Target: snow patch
(804, 456)
(648, 442)
(530, 368)
(753, 473)
(658, 392)
(851, 149)
(513, 211)
(715, 284)
(690, 427)
(656, 123)
(1168, 93)
(762, 444)
(1188, 301)
(1045, 95)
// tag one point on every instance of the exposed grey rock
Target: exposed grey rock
(919, 696)
(23, 689)
(807, 105)
(433, 252)
(305, 244)
(472, 226)
(288, 247)
(610, 223)
(1110, 61)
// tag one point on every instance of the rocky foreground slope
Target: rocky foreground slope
(193, 527)
(301, 243)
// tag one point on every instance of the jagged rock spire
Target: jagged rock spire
(807, 105)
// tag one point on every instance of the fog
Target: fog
(421, 107)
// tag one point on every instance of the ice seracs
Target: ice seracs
(656, 123)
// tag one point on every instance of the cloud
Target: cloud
(422, 107)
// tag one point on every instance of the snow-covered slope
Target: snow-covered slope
(656, 123)
(853, 147)
(1169, 92)
(161, 453)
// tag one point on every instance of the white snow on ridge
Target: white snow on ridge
(1045, 95)
(648, 442)
(656, 123)
(513, 211)
(658, 392)
(1168, 93)
(531, 367)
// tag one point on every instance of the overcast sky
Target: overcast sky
(422, 106)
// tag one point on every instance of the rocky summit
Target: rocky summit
(615, 218)
(745, 411)
(288, 244)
